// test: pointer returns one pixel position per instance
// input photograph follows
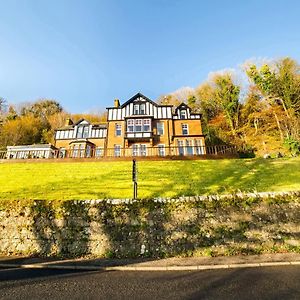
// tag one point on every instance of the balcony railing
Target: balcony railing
(138, 135)
(184, 151)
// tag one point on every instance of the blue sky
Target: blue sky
(86, 53)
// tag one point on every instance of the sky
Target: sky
(86, 53)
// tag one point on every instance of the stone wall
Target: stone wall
(214, 225)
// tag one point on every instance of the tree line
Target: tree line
(262, 118)
(34, 123)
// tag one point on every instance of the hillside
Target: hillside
(95, 180)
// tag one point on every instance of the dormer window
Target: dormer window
(82, 132)
(183, 114)
(139, 109)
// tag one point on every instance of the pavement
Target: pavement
(143, 264)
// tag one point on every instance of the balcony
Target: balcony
(142, 135)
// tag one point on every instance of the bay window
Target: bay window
(139, 125)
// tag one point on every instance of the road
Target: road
(247, 283)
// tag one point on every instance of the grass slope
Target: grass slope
(94, 180)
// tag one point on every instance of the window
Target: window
(62, 152)
(139, 150)
(138, 125)
(117, 149)
(81, 150)
(180, 148)
(161, 150)
(136, 109)
(183, 114)
(79, 132)
(198, 147)
(160, 128)
(135, 150)
(146, 125)
(75, 150)
(99, 152)
(118, 129)
(130, 125)
(143, 150)
(88, 151)
(86, 132)
(82, 132)
(189, 147)
(185, 129)
(142, 109)
(139, 109)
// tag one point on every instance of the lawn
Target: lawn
(95, 180)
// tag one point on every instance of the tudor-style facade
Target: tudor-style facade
(81, 139)
(139, 127)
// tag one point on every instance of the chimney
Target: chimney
(68, 122)
(117, 103)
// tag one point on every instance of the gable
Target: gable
(150, 109)
(82, 122)
(139, 98)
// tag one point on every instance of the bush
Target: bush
(292, 145)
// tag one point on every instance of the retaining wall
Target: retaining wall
(214, 225)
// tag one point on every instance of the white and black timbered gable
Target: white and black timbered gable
(183, 111)
(82, 129)
(139, 106)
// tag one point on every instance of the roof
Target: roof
(139, 95)
(182, 105)
(98, 125)
(34, 146)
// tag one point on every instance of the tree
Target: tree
(21, 131)
(12, 114)
(279, 84)
(42, 108)
(227, 95)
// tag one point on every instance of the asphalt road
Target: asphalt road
(249, 283)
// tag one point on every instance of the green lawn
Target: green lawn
(94, 180)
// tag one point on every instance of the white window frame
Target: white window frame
(130, 125)
(98, 152)
(117, 150)
(183, 114)
(146, 125)
(138, 123)
(143, 150)
(162, 131)
(199, 147)
(85, 133)
(135, 149)
(180, 147)
(189, 147)
(136, 109)
(118, 130)
(161, 150)
(142, 109)
(185, 129)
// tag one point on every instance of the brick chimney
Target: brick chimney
(117, 103)
(68, 122)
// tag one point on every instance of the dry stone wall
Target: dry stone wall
(212, 225)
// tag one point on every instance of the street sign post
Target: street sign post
(134, 178)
